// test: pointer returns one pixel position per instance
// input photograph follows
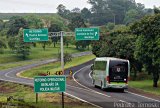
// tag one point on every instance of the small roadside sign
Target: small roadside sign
(50, 84)
(87, 33)
(35, 35)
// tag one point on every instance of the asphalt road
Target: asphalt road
(108, 98)
(80, 87)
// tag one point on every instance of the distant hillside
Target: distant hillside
(6, 16)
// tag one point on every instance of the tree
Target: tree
(1, 24)
(67, 57)
(76, 22)
(55, 28)
(86, 14)
(2, 45)
(45, 43)
(34, 21)
(148, 45)
(22, 49)
(76, 10)
(131, 16)
(110, 26)
(62, 11)
(15, 23)
(12, 43)
(156, 10)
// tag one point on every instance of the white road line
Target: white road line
(143, 96)
(85, 86)
(6, 75)
(124, 101)
(90, 74)
(82, 100)
(17, 82)
(80, 88)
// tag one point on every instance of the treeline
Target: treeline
(7, 16)
(104, 11)
(138, 42)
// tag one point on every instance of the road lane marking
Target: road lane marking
(73, 76)
(80, 88)
(124, 101)
(143, 96)
(90, 74)
(25, 83)
(83, 100)
(6, 75)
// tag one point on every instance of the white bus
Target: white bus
(110, 72)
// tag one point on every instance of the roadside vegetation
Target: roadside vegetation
(37, 53)
(146, 86)
(21, 96)
(56, 66)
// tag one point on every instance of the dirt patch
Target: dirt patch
(5, 89)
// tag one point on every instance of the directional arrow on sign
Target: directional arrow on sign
(26, 34)
(96, 33)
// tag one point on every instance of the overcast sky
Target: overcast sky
(49, 6)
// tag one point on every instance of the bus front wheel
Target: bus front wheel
(122, 90)
(102, 86)
(93, 82)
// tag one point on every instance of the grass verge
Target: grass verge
(146, 86)
(53, 67)
(16, 64)
(46, 100)
(37, 53)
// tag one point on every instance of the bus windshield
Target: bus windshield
(118, 71)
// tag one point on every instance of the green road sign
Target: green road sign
(35, 35)
(87, 33)
(50, 84)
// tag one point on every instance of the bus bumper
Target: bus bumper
(117, 86)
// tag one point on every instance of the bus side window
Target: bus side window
(100, 65)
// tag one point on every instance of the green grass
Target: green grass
(37, 53)
(146, 86)
(52, 100)
(16, 64)
(53, 67)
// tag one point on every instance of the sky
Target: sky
(49, 6)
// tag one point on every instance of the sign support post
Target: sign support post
(62, 51)
(62, 99)
(36, 97)
(62, 63)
